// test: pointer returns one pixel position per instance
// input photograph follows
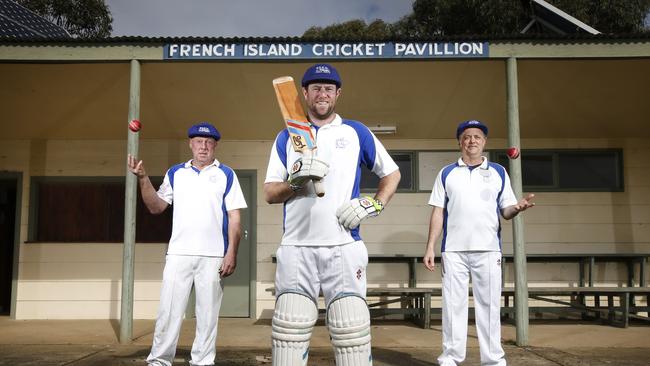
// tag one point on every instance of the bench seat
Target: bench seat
(578, 301)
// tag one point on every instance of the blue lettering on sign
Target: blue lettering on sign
(394, 50)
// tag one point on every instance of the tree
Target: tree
(81, 18)
(431, 18)
(458, 17)
(351, 30)
(608, 16)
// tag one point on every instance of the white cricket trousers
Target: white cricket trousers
(179, 274)
(331, 269)
(485, 270)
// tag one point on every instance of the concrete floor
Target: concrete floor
(247, 342)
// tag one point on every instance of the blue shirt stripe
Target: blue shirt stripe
(281, 145)
(224, 227)
(445, 173)
(367, 155)
(502, 174)
(172, 171)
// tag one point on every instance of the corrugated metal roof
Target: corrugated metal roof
(515, 38)
(18, 23)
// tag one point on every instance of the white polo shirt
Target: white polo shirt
(201, 201)
(472, 200)
(345, 145)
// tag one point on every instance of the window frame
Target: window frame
(555, 156)
(36, 181)
(435, 174)
(414, 172)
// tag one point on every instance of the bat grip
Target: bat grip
(318, 184)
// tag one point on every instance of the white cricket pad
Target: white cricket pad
(293, 321)
(348, 320)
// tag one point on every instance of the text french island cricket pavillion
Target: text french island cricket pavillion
(576, 105)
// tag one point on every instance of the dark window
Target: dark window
(538, 170)
(596, 170)
(405, 162)
(569, 170)
(90, 210)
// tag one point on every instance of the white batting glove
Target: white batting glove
(351, 214)
(305, 169)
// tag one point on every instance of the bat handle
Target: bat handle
(318, 184)
(318, 187)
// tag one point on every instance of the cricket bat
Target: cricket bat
(302, 139)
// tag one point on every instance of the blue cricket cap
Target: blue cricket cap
(204, 129)
(471, 124)
(321, 72)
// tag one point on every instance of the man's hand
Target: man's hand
(429, 259)
(306, 169)
(525, 203)
(228, 265)
(136, 167)
(351, 214)
(512, 211)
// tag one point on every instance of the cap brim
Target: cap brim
(204, 135)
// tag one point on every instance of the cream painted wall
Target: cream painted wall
(82, 280)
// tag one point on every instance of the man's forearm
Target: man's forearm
(387, 187)
(154, 204)
(234, 232)
(277, 192)
(435, 227)
(509, 212)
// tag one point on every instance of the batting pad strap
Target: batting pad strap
(348, 320)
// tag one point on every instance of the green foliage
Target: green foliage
(351, 30)
(81, 18)
(431, 18)
(458, 17)
(608, 16)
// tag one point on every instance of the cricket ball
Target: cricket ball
(135, 125)
(513, 152)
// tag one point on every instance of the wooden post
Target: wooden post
(521, 282)
(130, 197)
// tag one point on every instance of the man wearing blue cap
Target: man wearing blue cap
(203, 247)
(321, 249)
(467, 198)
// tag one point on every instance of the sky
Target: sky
(244, 18)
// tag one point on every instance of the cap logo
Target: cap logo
(204, 129)
(322, 69)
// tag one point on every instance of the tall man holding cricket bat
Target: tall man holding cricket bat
(321, 249)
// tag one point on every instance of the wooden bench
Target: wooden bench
(578, 295)
(415, 303)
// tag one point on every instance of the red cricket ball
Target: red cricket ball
(135, 125)
(513, 152)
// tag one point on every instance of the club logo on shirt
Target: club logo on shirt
(341, 143)
(359, 273)
(213, 179)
